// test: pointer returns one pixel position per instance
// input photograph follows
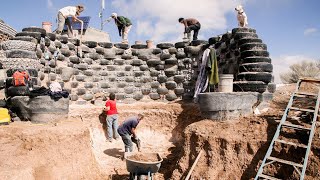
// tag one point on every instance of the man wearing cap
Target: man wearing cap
(124, 25)
(189, 25)
(63, 15)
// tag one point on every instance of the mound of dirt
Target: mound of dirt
(144, 157)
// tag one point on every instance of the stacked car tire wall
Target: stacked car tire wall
(166, 72)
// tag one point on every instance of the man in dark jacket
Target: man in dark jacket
(127, 131)
(191, 24)
(124, 25)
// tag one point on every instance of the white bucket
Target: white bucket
(225, 83)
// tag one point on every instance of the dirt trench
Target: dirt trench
(77, 149)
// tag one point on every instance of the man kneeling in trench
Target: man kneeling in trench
(127, 131)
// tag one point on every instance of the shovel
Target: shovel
(137, 142)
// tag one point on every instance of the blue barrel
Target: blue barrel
(77, 25)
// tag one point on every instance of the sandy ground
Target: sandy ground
(77, 148)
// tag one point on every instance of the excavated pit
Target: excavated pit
(76, 148)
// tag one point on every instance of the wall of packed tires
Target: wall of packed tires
(166, 72)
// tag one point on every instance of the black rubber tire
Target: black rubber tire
(172, 50)
(249, 86)
(255, 76)
(179, 78)
(165, 45)
(136, 62)
(25, 38)
(256, 67)
(144, 68)
(213, 40)
(242, 35)
(17, 53)
(138, 73)
(139, 46)
(104, 62)
(99, 50)
(170, 73)
(179, 91)
(160, 67)
(171, 61)
(162, 78)
(35, 29)
(156, 51)
(122, 46)
(145, 91)
(181, 55)
(137, 96)
(253, 46)
(51, 36)
(155, 84)
(256, 60)
(162, 90)
(171, 97)
(62, 39)
(272, 87)
(164, 56)
(181, 44)
(90, 44)
(105, 44)
(154, 73)
(243, 29)
(35, 35)
(18, 91)
(171, 85)
(248, 40)
(198, 42)
(246, 54)
(154, 96)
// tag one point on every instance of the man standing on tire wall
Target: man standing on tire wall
(128, 129)
(189, 25)
(124, 25)
(63, 15)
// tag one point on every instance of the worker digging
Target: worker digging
(203, 102)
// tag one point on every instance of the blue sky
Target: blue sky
(290, 28)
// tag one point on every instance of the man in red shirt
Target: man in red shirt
(112, 117)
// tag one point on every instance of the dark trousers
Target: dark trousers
(126, 138)
(195, 28)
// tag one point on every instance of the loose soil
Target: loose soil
(76, 148)
(144, 157)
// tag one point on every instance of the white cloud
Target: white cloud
(158, 20)
(282, 63)
(310, 31)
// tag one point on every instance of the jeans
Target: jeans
(112, 126)
(128, 146)
(61, 21)
(195, 28)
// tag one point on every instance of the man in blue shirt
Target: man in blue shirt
(128, 129)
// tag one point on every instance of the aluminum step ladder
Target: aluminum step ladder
(299, 168)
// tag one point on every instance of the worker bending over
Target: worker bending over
(191, 24)
(124, 25)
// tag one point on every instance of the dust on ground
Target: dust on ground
(77, 148)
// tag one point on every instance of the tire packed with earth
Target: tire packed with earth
(154, 73)
(153, 62)
(25, 38)
(271, 87)
(170, 73)
(62, 39)
(198, 42)
(171, 97)
(35, 35)
(35, 29)
(162, 78)
(154, 96)
(238, 30)
(249, 86)
(162, 90)
(105, 44)
(256, 60)
(248, 40)
(181, 44)
(18, 91)
(145, 91)
(256, 67)
(242, 35)
(17, 44)
(122, 46)
(155, 84)
(171, 61)
(156, 51)
(51, 36)
(90, 44)
(179, 78)
(165, 45)
(137, 96)
(213, 40)
(17, 53)
(139, 46)
(249, 53)
(179, 91)
(171, 85)
(255, 76)
(253, 46)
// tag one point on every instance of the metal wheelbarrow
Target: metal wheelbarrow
(138, 169)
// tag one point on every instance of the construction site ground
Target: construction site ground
(76, 148)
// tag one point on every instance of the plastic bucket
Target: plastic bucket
(47, 26)
(225, 83)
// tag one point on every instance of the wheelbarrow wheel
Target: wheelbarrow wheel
(132, 176)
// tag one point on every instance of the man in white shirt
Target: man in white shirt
(63, 15)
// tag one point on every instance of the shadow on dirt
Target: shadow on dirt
(190, 114)
(114, 152)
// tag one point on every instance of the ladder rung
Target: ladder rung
(296, 126)
(291, 143)
(306, 93)
(285, 162)
(301, 109)
(268, 177)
